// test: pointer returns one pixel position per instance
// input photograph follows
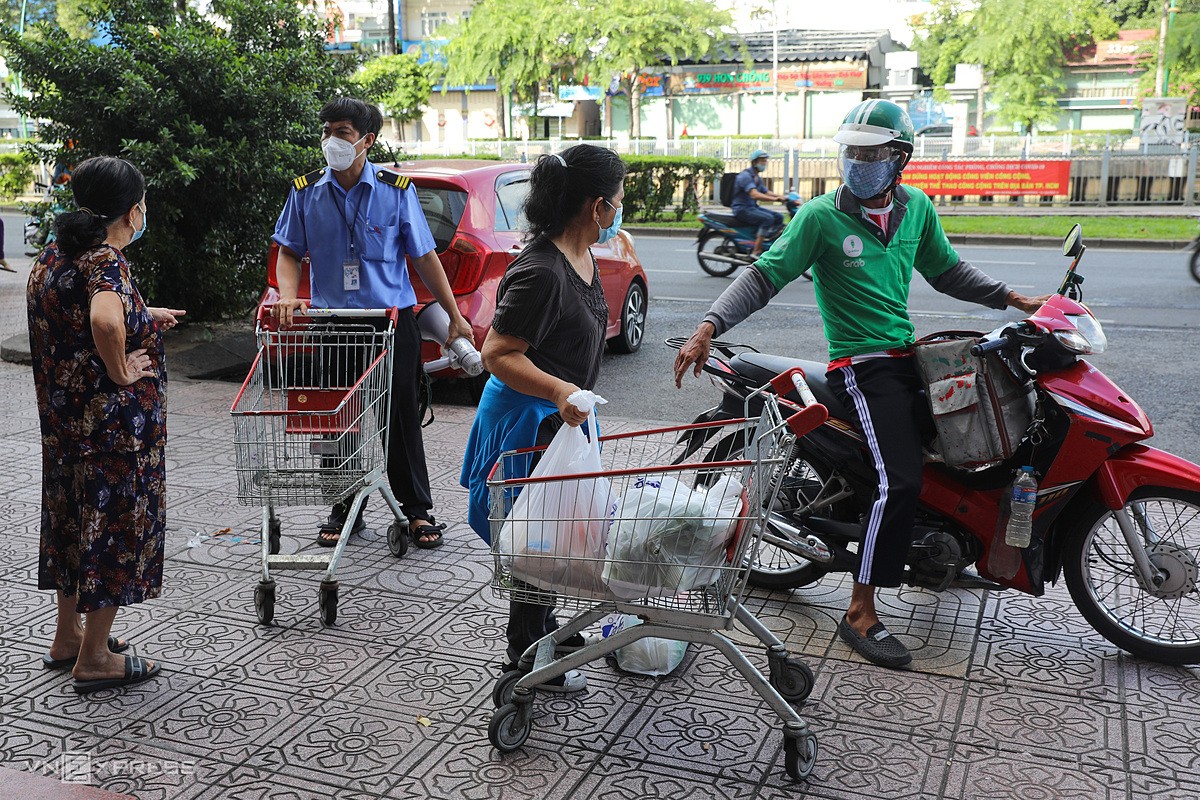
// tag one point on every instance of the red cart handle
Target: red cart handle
(813, 415)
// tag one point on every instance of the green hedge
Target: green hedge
(16, 173)
(653, 183)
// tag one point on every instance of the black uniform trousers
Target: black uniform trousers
(884, 396)
(407, 472)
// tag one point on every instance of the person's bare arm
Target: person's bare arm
(505, 357)
(107, 317)
(287, 273)
(433, 275)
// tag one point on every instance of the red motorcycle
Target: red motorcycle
(1120, 519)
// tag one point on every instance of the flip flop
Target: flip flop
(136, 671)
(878, 646)
(115, 645)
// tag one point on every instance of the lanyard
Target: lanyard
(349, 223)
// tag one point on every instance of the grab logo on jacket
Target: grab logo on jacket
(852, 246)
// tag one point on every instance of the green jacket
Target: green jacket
(861, 275)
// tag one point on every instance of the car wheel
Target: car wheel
(633, 321)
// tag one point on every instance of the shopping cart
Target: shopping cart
(685, 601)
(311, 428)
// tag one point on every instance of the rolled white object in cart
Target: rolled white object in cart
(434, 324)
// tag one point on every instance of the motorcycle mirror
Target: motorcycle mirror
(1073, 242)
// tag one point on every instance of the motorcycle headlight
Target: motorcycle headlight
(1087, 338)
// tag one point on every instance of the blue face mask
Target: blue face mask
(866, 179)
(760, 166)
(138, 234)
(606, 234)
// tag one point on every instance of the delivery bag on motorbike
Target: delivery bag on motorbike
(981, 410)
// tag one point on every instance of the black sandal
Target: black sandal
(331, 529)
(432, 530)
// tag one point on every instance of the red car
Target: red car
(474, 210)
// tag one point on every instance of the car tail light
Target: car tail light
(466, 261)
(303, 291)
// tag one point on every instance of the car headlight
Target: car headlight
(1087, 338)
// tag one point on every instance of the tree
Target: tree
(522, 44)
(1133, 14)
(399, 84)
(1182, 57)
(218, 115)
(1023, 45)
(631, 35)
(942, 34)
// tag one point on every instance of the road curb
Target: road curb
(15, 349)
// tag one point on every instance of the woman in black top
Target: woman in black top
(546, 341)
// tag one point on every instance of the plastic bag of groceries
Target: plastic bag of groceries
(667, 538)
(648, 656)
(554, 536)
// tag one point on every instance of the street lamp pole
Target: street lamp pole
(775, 61)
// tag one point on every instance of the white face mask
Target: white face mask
(340, 155)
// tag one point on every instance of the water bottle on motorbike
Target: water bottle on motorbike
(1014, 528)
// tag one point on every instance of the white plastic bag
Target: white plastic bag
(554, 537)
(648, 656)
(666, 538)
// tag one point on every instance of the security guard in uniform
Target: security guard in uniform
(357, 223)
(862, 243)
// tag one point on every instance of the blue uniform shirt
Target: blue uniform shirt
(747, 179)
(388, 224)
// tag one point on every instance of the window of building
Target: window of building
(431, 21)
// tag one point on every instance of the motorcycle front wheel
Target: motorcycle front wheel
(1196, 261)
(1158, 623)
(712, 249)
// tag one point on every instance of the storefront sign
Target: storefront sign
(1034, 178)
(792, 78)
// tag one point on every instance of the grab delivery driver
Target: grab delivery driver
(862, 243)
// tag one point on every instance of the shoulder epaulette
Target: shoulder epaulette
(393, 179)
(310, 178)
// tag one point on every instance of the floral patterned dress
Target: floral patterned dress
(103, 465)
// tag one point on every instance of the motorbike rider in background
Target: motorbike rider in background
(862, 242)
(748, 189)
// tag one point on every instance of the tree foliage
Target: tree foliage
(399, 84)
(627, 36)
(942, 34)
(523, 44)
(218, 115)
(1023, 45)
(653, 182)
(1182, 55)
(1133, 14)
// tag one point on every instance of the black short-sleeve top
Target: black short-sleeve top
(543, 301)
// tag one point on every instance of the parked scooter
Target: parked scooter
(724, 243)
(1120, 519)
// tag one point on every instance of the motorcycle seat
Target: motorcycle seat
(728, 220)
(762, 367)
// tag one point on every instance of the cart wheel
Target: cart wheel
(398, 539)
(510, 727)
(799, 755)
(264, 601)
(792, 679)
(328, 602)
(273, 534)
(502, 692)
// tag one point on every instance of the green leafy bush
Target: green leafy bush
(16, 173)
(219, 113)
(654, 184)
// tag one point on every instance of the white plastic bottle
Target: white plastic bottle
(1023, 501)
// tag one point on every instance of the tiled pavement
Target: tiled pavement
(1009, 697)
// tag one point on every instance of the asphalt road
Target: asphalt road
(1146, 300)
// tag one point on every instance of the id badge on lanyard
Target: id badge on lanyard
(351, 271)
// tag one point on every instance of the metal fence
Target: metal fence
(1106, 169)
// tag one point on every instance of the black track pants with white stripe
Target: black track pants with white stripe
(884, 396)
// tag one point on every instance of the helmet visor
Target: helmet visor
(868, 171)
(868, 154)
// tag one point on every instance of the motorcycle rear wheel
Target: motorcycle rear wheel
(1159, 624)
(1196, 261)
(716, 244)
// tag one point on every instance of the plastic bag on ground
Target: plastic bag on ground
(667, 538)
(554, 536)
(649, 656)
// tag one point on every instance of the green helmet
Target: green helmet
(877, 122)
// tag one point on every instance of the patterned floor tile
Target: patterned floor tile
(1164, 737)
(614, 778)
(411, 684)
(105, 713)
(1062, 666)
(249, 783)
(1158, 787)
(316, 665)
(152, 773)
(985, 774)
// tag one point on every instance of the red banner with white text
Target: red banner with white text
(1036, 178)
